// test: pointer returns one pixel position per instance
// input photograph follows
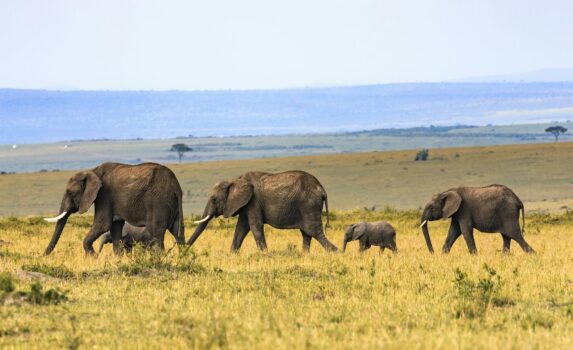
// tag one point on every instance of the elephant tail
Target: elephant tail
(325, 200)
(179, 225)
(522, 219)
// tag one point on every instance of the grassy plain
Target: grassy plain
(84, 154)
(540, 174)
(283, 299)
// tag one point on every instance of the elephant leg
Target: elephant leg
(468, 233)
(306, 239)
(259, 234)
(241, 231)
(524, 245)
(513, 231)
(326, 244)
(506, 243)
(453, 234)
(157, 233)
(382, 249)
(364, 245)
(98, 228)
(128, 243)
(116, 228)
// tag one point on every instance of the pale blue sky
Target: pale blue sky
(158, 45)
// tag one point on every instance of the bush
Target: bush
(6, 283)
(475, 298)
(53, 271)
(422, 154)
(146, 261)
(36, 296)
(50, 297)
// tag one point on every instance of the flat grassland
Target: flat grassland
(210, 298)
(284, 299)
(540, 174)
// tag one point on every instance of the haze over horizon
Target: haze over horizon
(255, 44)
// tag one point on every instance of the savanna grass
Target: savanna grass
(208, 297)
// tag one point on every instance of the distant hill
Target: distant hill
(36, 116)
(536, 76)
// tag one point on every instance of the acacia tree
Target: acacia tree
(556, 131)
(180, 148)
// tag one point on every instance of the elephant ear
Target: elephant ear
(451, 203)
(92, 184)
(240, 193)
(357, 231)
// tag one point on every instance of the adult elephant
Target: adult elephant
(147, 195)
(288, 200)
(490, 209)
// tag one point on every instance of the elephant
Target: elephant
(490, 209)
(130, 235)
(378, 233)
(287, 200)
(146, 194)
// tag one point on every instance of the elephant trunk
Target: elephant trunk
(198, 231)
(105, 239)
(57, 233)
(202, 225)
(424, 227)
(394, 247)
(347, 239)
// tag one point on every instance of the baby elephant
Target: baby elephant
(129, 236)
(379, 233)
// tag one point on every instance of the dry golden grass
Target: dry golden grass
(285, 299)
(540, 174)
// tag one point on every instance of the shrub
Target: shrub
(6, 283)
(50, 297)
(423, 154)
(146, 261)
(53, 271)
(475, 298)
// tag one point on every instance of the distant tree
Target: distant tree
(180, 148)
(422, 154)
(556, 130)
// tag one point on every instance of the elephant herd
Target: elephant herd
(138, 203)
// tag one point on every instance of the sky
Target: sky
(267, 44)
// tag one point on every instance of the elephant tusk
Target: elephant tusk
(202, 220)
(57, 218)
(423, 223)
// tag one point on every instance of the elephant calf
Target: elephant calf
(379, 233)
(130, 235)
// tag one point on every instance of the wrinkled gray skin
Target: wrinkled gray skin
(130, 235)
(147, 195)
(288, 200)
(378, 233)
(490, 209)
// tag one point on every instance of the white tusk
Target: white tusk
(57, 218)
(202, 220)
(423, 223)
